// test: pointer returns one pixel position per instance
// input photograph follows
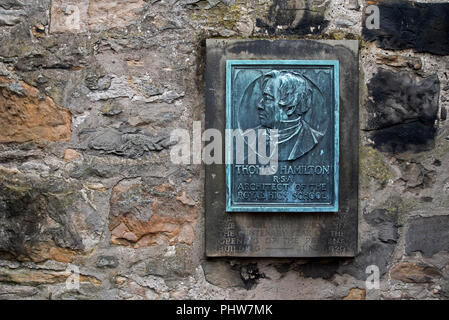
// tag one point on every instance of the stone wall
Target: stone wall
(89, 93)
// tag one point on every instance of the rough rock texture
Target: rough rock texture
(143, 215)
(80, 16)
(428, 235)
(295, 17)
(402, 111)
(10, 17)
(90, 92)
(423, 27)
(129, 145)
(27, 115)
(33, 278)
(356, 294)
(415, 272)
(399, 61)
(39, 219)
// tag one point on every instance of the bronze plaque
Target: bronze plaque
(321, 126)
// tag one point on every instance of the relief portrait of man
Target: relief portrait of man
(286, 97)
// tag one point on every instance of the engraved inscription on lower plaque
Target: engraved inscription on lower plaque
(282, 135)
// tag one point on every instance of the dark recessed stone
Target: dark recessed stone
(423, 27)
(413, 137)
(429, 235)
(319, 269)
(27, 202)
(402, 111)
(401, 98)
(250, 275)
(373, 252)
(385, 224)
(294, 17)
(443, 114)
(426, 199)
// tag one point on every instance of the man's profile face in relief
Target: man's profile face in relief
(268, 107)
(283, 96)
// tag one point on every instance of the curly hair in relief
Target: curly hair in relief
(294, 90)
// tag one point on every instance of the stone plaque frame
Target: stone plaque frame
(283, 234)
(332, 205)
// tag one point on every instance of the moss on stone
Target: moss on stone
(398, 206)
(374, 166)
(221, 14)
(337, 35)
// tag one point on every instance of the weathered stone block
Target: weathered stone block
(28, 115)
(70, 155)
(399, 61)
(221, 274)
(415, 272)
(38, 277)
(356, 294)
(143, 215)
(385, 224)
(11, 17)
(424, 27)
(131, 145)
(40, 219)
(428, 235)
(79, 16)
(11, 4)
(107, 262)
(295, 17)
(402, 111)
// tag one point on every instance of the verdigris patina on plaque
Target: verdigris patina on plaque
(282, 139)
(297, 100)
